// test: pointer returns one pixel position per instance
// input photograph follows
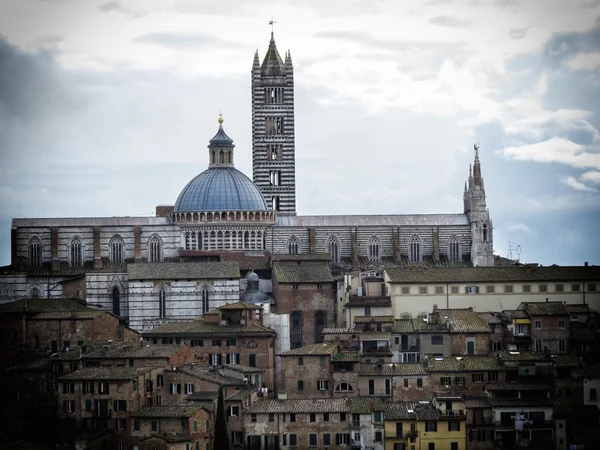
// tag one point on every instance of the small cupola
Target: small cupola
(220, 148)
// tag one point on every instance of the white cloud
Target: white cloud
(518, 227)
(577, 185)
(592, 176)
(557, 150)
(585, 61)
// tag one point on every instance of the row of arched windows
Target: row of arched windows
(76, 256)
(374, 248)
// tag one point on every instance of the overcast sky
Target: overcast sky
(106, 108)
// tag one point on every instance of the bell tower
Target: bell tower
(482, 236)
(273, 136)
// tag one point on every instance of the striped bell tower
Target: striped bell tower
(273, 137)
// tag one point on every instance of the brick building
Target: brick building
(306, 372)
(464, 375)
(306, 293)
(233, 334)
(550, 325)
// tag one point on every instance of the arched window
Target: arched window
(35, 252)
(116, 301)
(344, 387)
(76, 253)
(319, 325)
(155, 248)
(414, 253)
(454, 249)
(293, 245)
(35, 293)
(333, 247)
(485, 233)
(204, 301)
(117, 250)
(374, 249)
(296, 329)
(162, 303)
(252, 344)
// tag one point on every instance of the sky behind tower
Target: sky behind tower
(106, 108)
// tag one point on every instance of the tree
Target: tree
(221, 433)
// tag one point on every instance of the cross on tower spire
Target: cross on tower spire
(272, 23)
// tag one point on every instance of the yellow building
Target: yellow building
(437, 425)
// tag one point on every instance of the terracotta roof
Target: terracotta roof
(166, 411)
(517, 387)
(387, 369)
(464, 364)
(346, 356)
(424, 327)
(375, 336)
(544, 308)
(302, 273)
(201, 328)
(62, 315)
(581, 331)
(245, 369)
(373, 319)
(494, 274)
(240, 305)
(591, 370)
(568, 360)
(302, 257)
(492, 318)
(579, 308)
(247, 260)
(40, 305)
(364, 405)
(464, 321)
(183, 270)
(131, 350)
(105, 373)
(477, 402)
(340, 331)
(515, 314)
(209, 374)
(329, 405)
(410, 411)
(522, 356)
(312, 350)
(404, 326)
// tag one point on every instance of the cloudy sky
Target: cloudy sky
(106, 108)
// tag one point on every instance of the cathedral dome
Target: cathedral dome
(220, 189)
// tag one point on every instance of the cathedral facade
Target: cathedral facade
(224, 211)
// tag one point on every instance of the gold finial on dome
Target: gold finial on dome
(220, 118)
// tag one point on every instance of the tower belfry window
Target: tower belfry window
(117, 253)
(293, 246)
(275, 206)
(274, 152)
(334, 249)
(274, 95)
(485, 233)
(275, 177)
(454, 249)
(274, 126)
(35, 252)
(415, 249)
(374, 249)
(162, 303)
(76, 253)
(155, 249)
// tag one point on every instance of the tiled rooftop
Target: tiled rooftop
(184, 270)
(247, 260)
(373, 319)
(330, 405)
(208, 374)
(364, 405)
(312, 350)
(492, 318)
(582, 331)
(544, 308)
(522, 356)
(240, 305)
(567, 360)
(131, 350)
(404, 326)
(477, 402)
(166, 411)
(512, 314)
(302, 273)
(520, 402)
(464, 364)
(410, 411)
(579, 308)
(494, 274)
(375, 336)
(302, 257)
(464, 321)
(346, 356)
(61, 315)
(340, 331)
(200, 328)
(105, 373)
(386, 369)
(40, 305)
(591, 370)
(517, 387)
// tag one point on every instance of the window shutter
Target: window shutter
(237, 358)
(115, 405)
(179, 388)
(337, 439)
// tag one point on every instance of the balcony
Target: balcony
(358, 301)
(480, 421)
(455, 413)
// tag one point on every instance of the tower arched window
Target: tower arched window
(204, 301)
(117, 250)
(454, 249)
(293, 246)
(76, 253)
(374, 253)
(35, 252)
(116, 301)
(414, 253)
(162, 303)
(333, 247)
(35, 293)
(485, 232)
(155, 248)
(296, 329)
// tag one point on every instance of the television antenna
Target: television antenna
(511, 249)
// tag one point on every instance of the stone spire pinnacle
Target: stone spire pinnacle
(272, 65)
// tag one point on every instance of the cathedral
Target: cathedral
(223, 225)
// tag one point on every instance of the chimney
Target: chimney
(546, 299)
(585, 264)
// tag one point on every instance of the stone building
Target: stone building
(550, 322)
(464, 375)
